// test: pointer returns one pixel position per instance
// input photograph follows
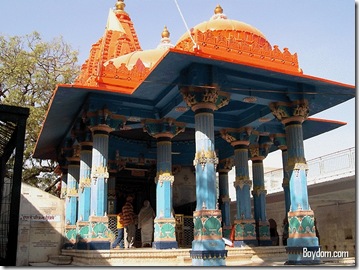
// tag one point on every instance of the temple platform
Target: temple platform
(243, 256)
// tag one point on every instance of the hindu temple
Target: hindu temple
(168, 124)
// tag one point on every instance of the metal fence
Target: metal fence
(325, 168)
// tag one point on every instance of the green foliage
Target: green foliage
(30, 69)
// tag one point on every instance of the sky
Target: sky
(321, 32)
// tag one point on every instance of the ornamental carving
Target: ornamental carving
(241, 181)
(241, 47)
(166, 127)
(195, 95)
(244, 230)
(207, 224)
(287, 111)
(84, 183)
(258, 190)
(100, 172)
(301, 224)
(71, 192)
(165, 177)
(204, 157)
(225, 165)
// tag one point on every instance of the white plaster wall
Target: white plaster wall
(41, 220)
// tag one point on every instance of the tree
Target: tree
(30, 68)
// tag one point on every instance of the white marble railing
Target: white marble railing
(326, 168)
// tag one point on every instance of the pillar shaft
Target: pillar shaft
(165, 178)
(208, 248)
(99, 173)
(85, 181)
(300, 216)
(71, 206)
(285, 183)
(164, 224)
(224, 166)
(243, 183)
(245, 229)
(72, 191)
(224, 194)
(205, 161)
(259, 191)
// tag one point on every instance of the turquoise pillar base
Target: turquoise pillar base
(208, 253)
(245, 234)
(304, 250)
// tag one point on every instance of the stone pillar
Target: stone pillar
(85, 181)
(280, 142)
(257, 153)
(101, 123)
(300, 216)
(83, 224)
(245, 233)
(208, 247)
(224, 166)
(72, 195)
(164, 224)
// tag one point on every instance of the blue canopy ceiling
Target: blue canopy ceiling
(159, 96)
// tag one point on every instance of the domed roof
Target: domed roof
(220, 22)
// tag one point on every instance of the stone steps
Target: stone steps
(60, 259)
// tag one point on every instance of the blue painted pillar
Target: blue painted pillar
(71, 207)
(208, 248)
(257, 153)
(280, 142)
(101, 123)
(224, 166)
(85, 181)
(300, 216)
(164, 224)
(245, 232)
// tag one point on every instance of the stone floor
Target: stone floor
(145, 257)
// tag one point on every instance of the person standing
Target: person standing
(145, 223)
(120, 229)
(129, 222)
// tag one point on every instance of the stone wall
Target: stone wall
(184, 186)
(41, 223)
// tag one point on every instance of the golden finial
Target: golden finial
(165, 33)
(120, 5)
(218, 10)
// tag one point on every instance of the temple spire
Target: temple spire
(165, 32)
(120, 5)
(218, 13)
(218, 9)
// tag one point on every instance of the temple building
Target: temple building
(168, 124)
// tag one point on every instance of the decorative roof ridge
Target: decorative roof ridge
(243, 47)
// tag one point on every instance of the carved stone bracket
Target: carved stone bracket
(241, 181)
(257, 191)
(290, 111)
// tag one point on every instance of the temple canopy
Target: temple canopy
(221, 53)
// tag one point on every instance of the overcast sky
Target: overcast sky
(321, 32)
